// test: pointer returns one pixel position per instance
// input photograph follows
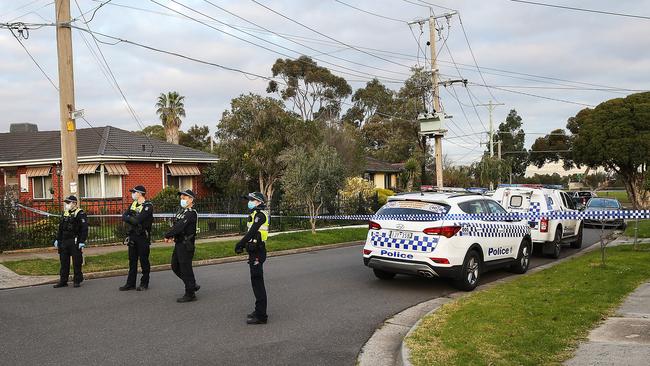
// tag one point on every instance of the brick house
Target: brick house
(111, 161)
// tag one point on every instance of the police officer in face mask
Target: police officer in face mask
(139, 218)
(183, 233)
(255, 244)
(70, 240)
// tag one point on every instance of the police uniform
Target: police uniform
(139, 218)
(255, 244)
(183, 231)
(73, 231)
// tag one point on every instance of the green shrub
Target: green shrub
(356, 196)
(383, 194)
(166, 201)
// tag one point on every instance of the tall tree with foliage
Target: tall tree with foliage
(170, 108)
(253, 134)
(196, 137)
(155, 132)
(552, 148)
(312, 177)
(513, 138)
(616, 135)
(374, 99)
(314, 92)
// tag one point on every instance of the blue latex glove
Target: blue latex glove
(56, 244)
(82, 245)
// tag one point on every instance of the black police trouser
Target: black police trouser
(182, 267)
(256, 266)
(139, 250)
(69, 248)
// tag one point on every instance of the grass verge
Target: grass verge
(533, 320)
(644, 229)
(160, 255)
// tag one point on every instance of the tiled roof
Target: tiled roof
(99, 141)
(375, 165)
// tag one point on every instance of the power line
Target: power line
(254, 36)
(33, 59)
(296, 42)
(583, 9)
(536, 95)
(110, 72)
(471, 51)
(328, 37)
(35, 11)
(371, 13)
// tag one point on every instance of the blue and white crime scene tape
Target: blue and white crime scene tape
(510, 216)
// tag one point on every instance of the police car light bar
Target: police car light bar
(547, 186)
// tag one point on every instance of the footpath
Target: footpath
(622, 339)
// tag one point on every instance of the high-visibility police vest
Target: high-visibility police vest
(135, 207)
(70, 225)
(264, 229)
(73, 214)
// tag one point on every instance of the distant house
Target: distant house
(111, 161)
(557, 168)
(382, 174)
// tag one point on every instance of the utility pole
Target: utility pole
(66, 97)
(491, 107)
(432, 124)
(499, 149)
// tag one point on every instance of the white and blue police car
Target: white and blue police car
(454, 243)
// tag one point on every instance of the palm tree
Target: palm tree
(170, 109)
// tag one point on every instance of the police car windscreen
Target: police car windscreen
(405, 207)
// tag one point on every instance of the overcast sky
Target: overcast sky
(607, 51)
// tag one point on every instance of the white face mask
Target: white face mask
(184, 203)
(68, 206)
(134, 196)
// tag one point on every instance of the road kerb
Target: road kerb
(381, 339)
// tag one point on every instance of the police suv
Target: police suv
(545, 232)
(459, 246)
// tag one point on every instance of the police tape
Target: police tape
(509, 216)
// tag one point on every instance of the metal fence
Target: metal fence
(28, 229)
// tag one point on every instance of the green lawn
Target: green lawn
(533, 320)
(620, 195)
(644, 229)
(160, 255)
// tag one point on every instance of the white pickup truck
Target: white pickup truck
(549, 233)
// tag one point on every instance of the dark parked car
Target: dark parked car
(604, 204)
(580, 198)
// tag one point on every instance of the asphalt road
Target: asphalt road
(323, 306)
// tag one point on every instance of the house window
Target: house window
(180, 183)
(180, 176)
(96, 181)
(42, 187)
(387, 182)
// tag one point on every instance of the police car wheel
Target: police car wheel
(523, 258)
(577, 244)
(557, 243)
(383, 275)
(470, 272)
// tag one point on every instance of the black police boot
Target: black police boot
(76, 285)
(251, 315)
(197, 288)
(61, 284)
(256, 320)
(127, 288)
(142, 287)
(187, 298)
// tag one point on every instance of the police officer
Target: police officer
(70, 240)
(183, 233)
(139, 218)
(255, 244)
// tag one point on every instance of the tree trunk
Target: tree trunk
(634, 187)
(172, 135)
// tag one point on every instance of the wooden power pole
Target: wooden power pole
(436, 100)
(66, 98)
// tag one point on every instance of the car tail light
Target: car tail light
(373, 226)
(440, 260)
(446, 231)
(367, 251)
(543, 225)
